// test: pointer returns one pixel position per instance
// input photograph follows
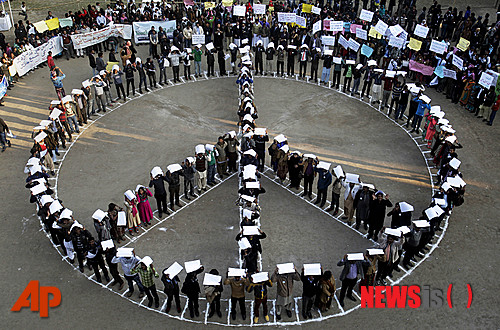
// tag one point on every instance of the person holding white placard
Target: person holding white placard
(95, 259)
(324, 181)
(308, 164)
(362, 205)
(174, 186)
(213, 294)
(349, 276)
(231, 151)
(238, 285)
(260, 297)
(391, 254)
(147, 273)
(171, 289)
(290, 60)
(411, 246)
(284, 291)
(81, 238)
(117, 232)
(191, 288)
(310, 288)
(133, 220)
(201, 170)
(350, 191)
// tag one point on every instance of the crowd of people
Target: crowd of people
(404, 240)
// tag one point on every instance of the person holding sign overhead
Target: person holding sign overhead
(353, 267)
(238, 285)
(147, 272)
(171, 283)
(284, 275)
(191, 288)
(259, 283)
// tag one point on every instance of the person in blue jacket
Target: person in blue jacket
(324, 180)
(422, 105)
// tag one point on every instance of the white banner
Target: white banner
(286, 17)
(366, 15)
(32, 58)
(83, 40)
(336, 26)
(458, 62)
(353, 44)
(396, 42)
(198, 39)
(328, 40)
(317, 27)
(381, 27)
(300, 21)
(141, 29)
(438, 47)
(486, 80)
(259, 9)
(361, 34)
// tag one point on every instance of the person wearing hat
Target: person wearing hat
(171, 290)
(349, 276)
(197, 52)
(376, 217)
(147, 274)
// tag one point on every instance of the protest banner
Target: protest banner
(84, 40)
(141, 29)
(422, 68)
(30, 59)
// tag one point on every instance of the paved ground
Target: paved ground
(382, 153)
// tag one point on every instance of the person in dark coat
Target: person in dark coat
(310, 287)
(362, 206)
(95, 259)
(222, 62)
(295, 170)
(324, 180)
(213, 294)
(81, 238)
(378, 205)
(174, 187)
(260, 148)
(160, 193)
(191, 288)
(171, 290)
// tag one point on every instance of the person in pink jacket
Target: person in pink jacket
(145, 212)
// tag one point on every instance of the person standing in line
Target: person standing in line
(324, 180)
(284, 293)
(201, 170)
(232, 149)
(326, 292)
(310, 286)
(174, 187)
(95, 259)
(145, 212)
(336, 187)
(148, 273)
(362, 206)
(238, 285)
(189, 173)
(4, 129)
(191, 288)
(213, 294)
(349, 276)
(129, 76)
(128, 263)
(160, 193)
(171, 290)
(350, 192)
(133, 219)
(260, 296)
(308, 164)
(378, 206)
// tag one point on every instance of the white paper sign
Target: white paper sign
(244, 243)
(156, 171)
(431, 213)
(312, 269)
(198, 39)
(458, 62)
(317, 27)
(239, 11)
(438, 47)
(486, 80)
(381, 27)
(211, 279)
(374, 252)
(124, 252)
(361, 34)
(122, 219)
(286, 268)
(107, 244)
(396, 30)
(405, 207)
(147, 261)
(174, 168)
(315, 10)
(396, 42)
(324, 165)
(259, 9)
(339, 173)
(355, 256)
(250, 230)
(328, 40)
(192, 266)
(421, 31)
(352, 178)
(421, 223)
(393, 232)
(366, 15)
(173, 270)
(300, 21)
(343, 41)
(354, 45)
(235, 272)
(336, 26)
(260, 277)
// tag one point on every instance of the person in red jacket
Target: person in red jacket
(494, 110)
(50, 61)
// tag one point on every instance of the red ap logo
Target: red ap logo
(37, 297)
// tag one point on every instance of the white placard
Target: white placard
(438, 210)
(147, 261)
(38, 189)
(315, 10)
(211, 279)
(252, 185)
(317, 26)
(250, 230)
(259, 9)
(260, 131)
(300, 21)
(328, 52)
(381, 27)
(236, 272)
(55, 207)
(361, 34)
(393, 232)
(130, 195)
(286, 17)
(486, 80)
(458, 62)
(55, 114)
(343, 41)
(199, 149)
(390, 74)
(366, 15)
(355, 256)
(198, 39)
(107, 244)
(336, 26)
(192, 266)
(99, 215)
(438, 47)
(405, 207)
(440, 201)
(122, 219)
(455, 163)
(352, 178)
(174, 168)
(421, 31)
(156, 171)
(244, 243)
(324, 165)
(328, 40)
(124, 252)
(312, 269)
(396, 42)
(354, 45)
(239, 11)
(425, 98)
(431, 213)
(173, 270)
(280, 138)
(260, 277)
(396, 30)
(248, 198)
(374, 252)
(210, 46)
(339, 173)
(404, 230)
(421, 223)
(40, 136)
(286, 268)
(337, 60)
